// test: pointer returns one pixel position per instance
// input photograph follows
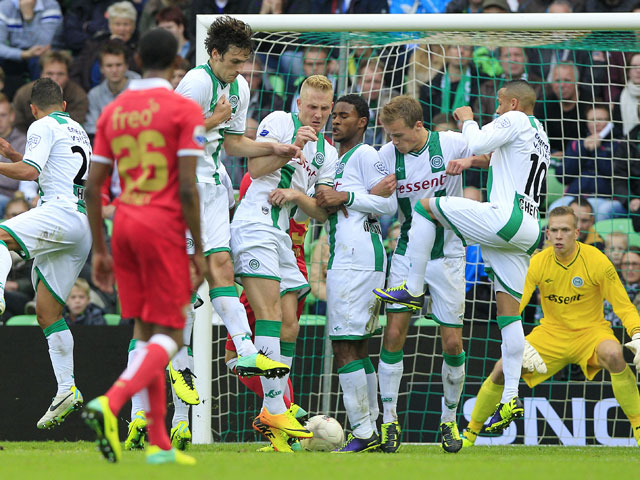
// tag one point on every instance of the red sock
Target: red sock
(157, 412)
(151, 360)
(254, 384)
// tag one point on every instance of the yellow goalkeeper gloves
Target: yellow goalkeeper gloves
(634, 346)
(531, 359)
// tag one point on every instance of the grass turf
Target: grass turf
(52, 460)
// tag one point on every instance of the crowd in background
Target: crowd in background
(589, 102)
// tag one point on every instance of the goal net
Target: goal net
(580, 72)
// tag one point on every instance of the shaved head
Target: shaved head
(521, 90)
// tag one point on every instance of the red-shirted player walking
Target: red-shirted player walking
(154, 136)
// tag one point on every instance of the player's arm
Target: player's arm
(309, 205)
(530, 284)
(360, 202)
(240, 146)
(18, 170)
(490, 137)
(459, 165)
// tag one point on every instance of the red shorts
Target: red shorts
(152, 274)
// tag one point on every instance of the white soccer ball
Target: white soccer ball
(327, 434)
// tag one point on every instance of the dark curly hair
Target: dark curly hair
(227, 31)
(359, 103)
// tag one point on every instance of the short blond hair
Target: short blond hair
(83, 285)
(122, 10)
(562, 211)
(317, 82)
(404, 107)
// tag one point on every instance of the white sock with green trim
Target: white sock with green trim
(268, 341)
(453, 374)
(512, 350)
(372, 386)
(390, 369)
(422, 236)
(60, 343)
(140, 399)
(225, 301)
(355, 395)
(5, 266)
(287, 351)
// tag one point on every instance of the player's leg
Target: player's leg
(288, 335)
(139, 401)
(623, 381)
(372, 386)
(7, 243)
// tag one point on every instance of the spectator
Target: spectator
(27, 29)
(181, 67)
(2, 79)
(626, 175)
(455, 87)
(9, 186)
(354, 6)
(560, 109)
(425, 63)
(495, 6)
(417, 6)
(586, 221)
(587, 167)
(82, 20)
(315, 61)
(609, 5)
(55, 65)
(85, 69)
(318, 275)
(464, 6)
(147, 18)
(630, 273)
(443, 123)
(113, 67)
(172, 19)
(630, 95)
(513, 63)
(615, 244)
(79, 310)
(390, 242)
(263, 99)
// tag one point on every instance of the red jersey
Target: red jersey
(145, 130)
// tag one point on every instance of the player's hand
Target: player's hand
(200, 270)
(280, 196)
(634, 346)
(463, 113)
(102, 271)
(328, 197)
(592, 142)
(305, 134)
(6, 150)
(287, 150)
(339, 208)
(531, 359)
(221, 113)
(459, 165)
(385, 187)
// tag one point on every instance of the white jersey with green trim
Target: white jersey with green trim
(59, 148)
(355, 241)
(201, 85)
(422, 174)
(321, 158)
(520, 158)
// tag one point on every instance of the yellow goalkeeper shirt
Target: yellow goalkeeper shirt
(572, 294)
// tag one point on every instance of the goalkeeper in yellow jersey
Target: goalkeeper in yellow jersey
(573, 279)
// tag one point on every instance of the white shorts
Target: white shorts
(506, 262)
(262, 251)
(214, 219)
(58, 238)
(446, 281)
(352, 308)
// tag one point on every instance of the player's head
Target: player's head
(615, 244)
(46, 97)
(112, 59)
(79, 297)
(402, 122)
(229, 45)
(584, 213)
(516, 95)
(157, 50)
(631, 265)
(315, 102)
(349, 118)
(562, 230)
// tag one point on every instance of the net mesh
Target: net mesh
(579, 77)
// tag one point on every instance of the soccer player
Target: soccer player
(224, 96)
(506, 227)
(154, 137)
(262, 254)
(419, 159)
(357, 259)
(55, 234)
(574, 279)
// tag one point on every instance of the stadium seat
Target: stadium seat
(112, 318)
(22, 320)
(555, 188)
(605, 227)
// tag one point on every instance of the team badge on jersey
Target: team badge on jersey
(502, 123)
(254, 264)
(318, 159)
(339, 168)
(264, 133)
(381, 167)
(436, 162)
(33, 141)
(577, 282)
(234, 100)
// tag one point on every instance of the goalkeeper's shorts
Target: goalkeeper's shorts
(560, 347)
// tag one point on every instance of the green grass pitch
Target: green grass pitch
(80, 460)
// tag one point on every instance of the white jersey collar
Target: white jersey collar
(148, 83)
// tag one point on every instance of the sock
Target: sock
(488, 397)
(180, 360)
(225, 301)
(139, 400)
(452, 383)
(355, 393)
(422, 235)
(372, 387)
(255, 385)
(512, 351)
(157, 409)
(5, 265)
(60, 343)
(231, 365)
(390, 370)
(268, 341)
(287, 351)
(625, 390)
(180, 410)
(149, 363)
(189, 318)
